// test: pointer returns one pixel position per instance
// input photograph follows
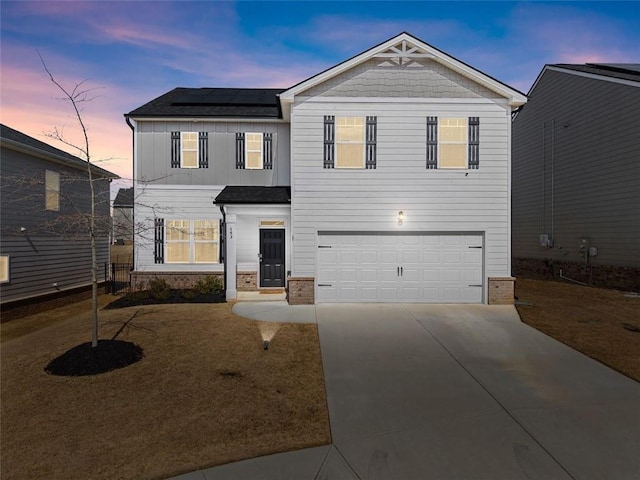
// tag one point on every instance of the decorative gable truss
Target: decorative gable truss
(404, 54)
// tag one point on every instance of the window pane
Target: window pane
(205, 230)
(272, 223)
(4, 268)
(254, 160)
(206, 252)
(190, 140)
(177, 253)
(189, 159)
(52, 190)
(453, 156)
(350, 129)
(177, 230)
(453, 134)
(349, 155)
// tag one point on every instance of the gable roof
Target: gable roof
(16, 140)
(625, 73)
(254, 195)
(213, 102)
(124, 198)
(406, 46)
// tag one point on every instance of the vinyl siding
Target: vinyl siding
(369, 200)
(49, 251)
(153, 144)
(576, 172)
(170, 202)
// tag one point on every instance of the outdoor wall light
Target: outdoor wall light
(400, 218)
(265, 344)
(23, 229)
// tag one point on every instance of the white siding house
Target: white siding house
(400, 170)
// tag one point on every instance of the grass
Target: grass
(598, 322)
(206, 393)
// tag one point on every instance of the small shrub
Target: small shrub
(209, 284)
(159, 289)
(189, 294)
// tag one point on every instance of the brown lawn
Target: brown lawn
(603, 324)
(206, 393)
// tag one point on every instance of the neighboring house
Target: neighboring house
(123, 217)
(45, 250)
(576, 175)
(385, 178)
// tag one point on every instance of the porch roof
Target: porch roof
(254, 194)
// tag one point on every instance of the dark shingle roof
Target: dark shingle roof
(19, 138)
(124, 198)
(213, 102)
(622, 71)
(251, 194)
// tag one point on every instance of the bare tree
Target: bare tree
(75, 97)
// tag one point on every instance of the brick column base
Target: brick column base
(501, 290)
(300, 290)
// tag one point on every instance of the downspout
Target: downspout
(133, 184)
(224, 236)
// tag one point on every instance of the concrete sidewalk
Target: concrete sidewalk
(458, 392)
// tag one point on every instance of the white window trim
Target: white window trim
(466, 144)
(363, 143)
(50, 174)
(246, 151)
(182, 149)
(5, 269)
(191, 241)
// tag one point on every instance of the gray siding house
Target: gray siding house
(576, 176)
(44, 245)
(385, 178)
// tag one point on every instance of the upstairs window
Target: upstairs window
(52, 190)
(350, 142)
(189, 150)
(453, 143)
(254, 151)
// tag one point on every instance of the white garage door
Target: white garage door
(409, 267)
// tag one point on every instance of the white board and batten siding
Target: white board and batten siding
(438, 204)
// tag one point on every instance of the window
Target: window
(349, 142)
(453, 143)
(191, 241)
(4, 268)
(253, 145)
(255, 151)
(189, 150)
(52, 190)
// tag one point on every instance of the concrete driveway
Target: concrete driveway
(458, 392)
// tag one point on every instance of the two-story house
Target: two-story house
(45, 248)
(385, 178)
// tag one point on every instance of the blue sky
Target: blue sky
(133, 51)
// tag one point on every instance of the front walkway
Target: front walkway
(456, 392)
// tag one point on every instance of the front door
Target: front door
(272, 257)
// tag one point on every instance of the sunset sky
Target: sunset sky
(133, 51)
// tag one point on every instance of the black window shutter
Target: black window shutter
(372, 133)
(203, 150)
(329, 140)
(432, 143)
(175, 149)
(474, 142)
(158, 251)
(240, 150)
(267, 151)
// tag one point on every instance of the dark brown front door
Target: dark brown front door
(272, 257)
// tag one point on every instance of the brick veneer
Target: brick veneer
(247, 281)
(140, 280)
(300, 290)
(501, 290)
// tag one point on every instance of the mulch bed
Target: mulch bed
(175, 296)
(84, 359)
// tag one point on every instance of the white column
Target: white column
(230, 260)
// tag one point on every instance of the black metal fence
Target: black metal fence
(118, 277)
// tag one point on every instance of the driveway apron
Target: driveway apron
(470, 392)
